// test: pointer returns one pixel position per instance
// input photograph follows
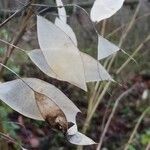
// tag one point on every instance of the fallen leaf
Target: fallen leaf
(60, 53)
(103, 9)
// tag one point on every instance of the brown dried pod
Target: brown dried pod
(51, 112)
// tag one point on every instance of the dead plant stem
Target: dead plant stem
(133, 55)
(8, 53)
(136, 128)
(17, 38)
(111, 116)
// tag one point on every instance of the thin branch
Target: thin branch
(18, 37)
(89, 117)
(69, 5)
(12, 45)
(15, 42)
(125, 25)
(133, 55)
(136, 128)
(14, 14)
(8, 138)
(148, 147)
(89, 5)
(111, 116)
(3, 144)
(17, 76)
(103, 27)
(126, 32)
(130, 24)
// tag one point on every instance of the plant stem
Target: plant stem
(125, 25)
(111, 116)
(13, 15)
(130, 24)
(17, 38)
(94, 107)
(3, 144)
(8, 53)
(134, 53)
(126, 32)
(136, 128)
(148, 147)
(89, 117)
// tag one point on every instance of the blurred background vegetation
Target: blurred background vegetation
(37, 135)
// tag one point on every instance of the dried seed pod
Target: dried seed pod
(51, 112)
